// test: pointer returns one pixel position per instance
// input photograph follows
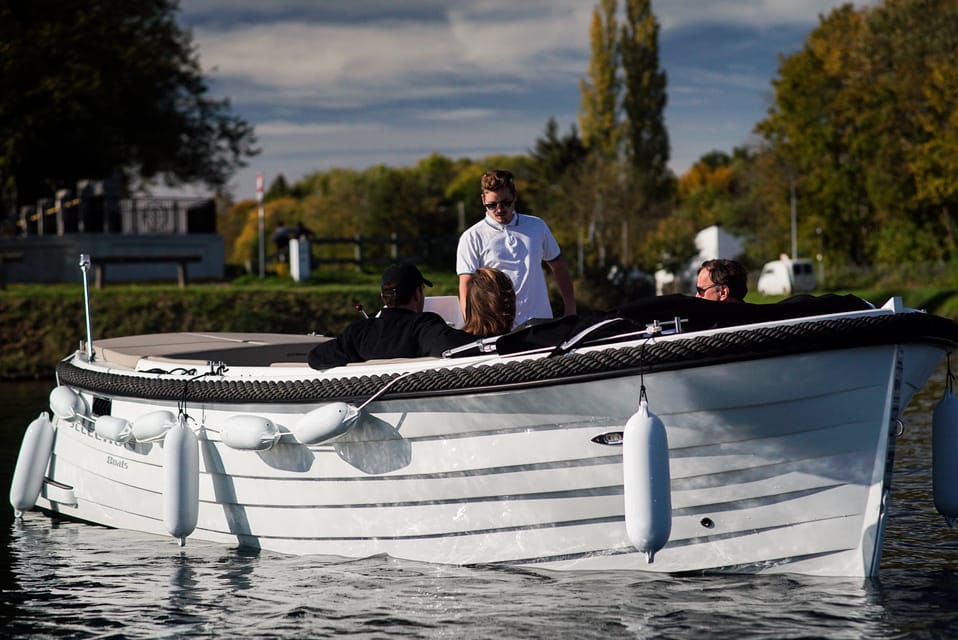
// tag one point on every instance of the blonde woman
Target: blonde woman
(490, 303)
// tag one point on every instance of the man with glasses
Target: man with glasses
(516, 244)
(721, 281)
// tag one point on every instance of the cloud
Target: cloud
(677, 14)
(362, 59)
(367, 81)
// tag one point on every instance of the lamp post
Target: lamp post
(262, 226)
(820, 257)
(791, 189)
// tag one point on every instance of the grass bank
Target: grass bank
(43, 323)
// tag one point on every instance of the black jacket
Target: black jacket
(394, 333)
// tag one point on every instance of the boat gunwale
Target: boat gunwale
(533, 369)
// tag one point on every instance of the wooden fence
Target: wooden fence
(376, 251)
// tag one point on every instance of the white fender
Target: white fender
(113, 428)
(249, 433)
(153, 426)
(647, 482)
(67, 404)
(181, 480)
(944, 451)
(326, 422)
(32, 463)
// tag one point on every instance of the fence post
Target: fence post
(358, 251)
(394, 252)
(60, 195)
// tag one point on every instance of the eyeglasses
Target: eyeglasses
(701, 291)
(492, 206)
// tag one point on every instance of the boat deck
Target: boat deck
(187, 348)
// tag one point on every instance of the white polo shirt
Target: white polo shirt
(517, 249)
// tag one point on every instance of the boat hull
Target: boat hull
(777, 464)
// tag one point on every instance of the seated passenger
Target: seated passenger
(490, 303)
(399, 330)
(722, 281)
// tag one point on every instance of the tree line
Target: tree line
(862, 133)
(107, 90)
(860, 137)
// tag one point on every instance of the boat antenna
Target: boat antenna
(85, 267)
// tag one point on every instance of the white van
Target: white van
(786, 276)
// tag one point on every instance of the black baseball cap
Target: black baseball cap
(402, 280)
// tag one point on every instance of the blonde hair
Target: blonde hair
(490, 303)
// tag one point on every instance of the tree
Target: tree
(630, 186)
(558, 162)
(556, 156)
(644, 97)
(279, 188)
(97, 87)
(598, 115)
(811, 125)
(862, 121)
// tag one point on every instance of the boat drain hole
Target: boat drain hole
(707, 523)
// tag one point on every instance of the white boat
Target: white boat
(776, 452)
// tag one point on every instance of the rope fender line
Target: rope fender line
(649, 357)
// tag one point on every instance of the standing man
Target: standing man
(722, 281)
(516, 244)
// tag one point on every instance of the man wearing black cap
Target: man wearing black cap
(399, 330)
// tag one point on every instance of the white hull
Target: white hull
(777, 465)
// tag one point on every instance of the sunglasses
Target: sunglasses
(701, 291)
(492, 206)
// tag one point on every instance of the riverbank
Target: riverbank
(43, 323)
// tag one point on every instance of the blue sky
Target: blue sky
(355, 83)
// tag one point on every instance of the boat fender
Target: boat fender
(249, 433)
(944, 451)
(647, 483)
(67, 404)
(153, 426)
(31, 465)
(326, 422)
(181, 480)
(113, 428)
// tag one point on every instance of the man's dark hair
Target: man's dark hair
(730, 273)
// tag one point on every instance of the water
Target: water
(63, 579)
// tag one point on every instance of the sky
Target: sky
(356, 83)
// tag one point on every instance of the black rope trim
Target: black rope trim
(691, 351)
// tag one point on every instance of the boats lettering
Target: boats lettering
(115, 462)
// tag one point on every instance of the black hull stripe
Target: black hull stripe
(693, 351)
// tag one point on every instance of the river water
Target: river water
(69, 580)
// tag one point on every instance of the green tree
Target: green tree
(92, 88)
(644, 97)
(934, 161)
(558, 161)
(862, 122)
(278, 188)
(623, 128)
(556, 156)
(598, 114)
(906, 41)
(811, 125)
